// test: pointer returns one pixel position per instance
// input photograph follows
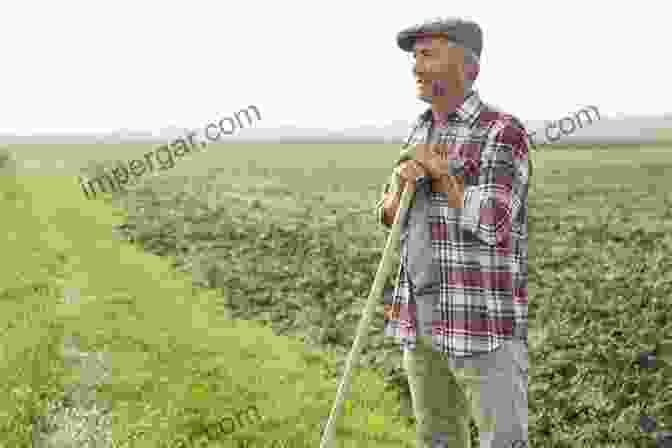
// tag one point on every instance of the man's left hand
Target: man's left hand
(435, 159)
(453, 186)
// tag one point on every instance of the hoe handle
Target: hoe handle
(384, 268)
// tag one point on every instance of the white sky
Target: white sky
(94, 66)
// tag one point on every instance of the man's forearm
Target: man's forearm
(390, 206)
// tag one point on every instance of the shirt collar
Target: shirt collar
(467, 112)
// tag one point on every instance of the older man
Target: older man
(460, 306)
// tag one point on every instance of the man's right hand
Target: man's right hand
(409, 172)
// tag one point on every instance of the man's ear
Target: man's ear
(471, 71)
(461, 67)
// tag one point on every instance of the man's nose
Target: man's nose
(419, 68)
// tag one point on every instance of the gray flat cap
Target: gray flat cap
(462, 32)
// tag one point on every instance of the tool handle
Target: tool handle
(376, 293)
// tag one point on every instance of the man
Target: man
(459, 308)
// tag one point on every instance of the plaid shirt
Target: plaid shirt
(482, 248)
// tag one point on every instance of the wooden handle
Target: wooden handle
(376, 293)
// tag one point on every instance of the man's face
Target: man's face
(438, 69)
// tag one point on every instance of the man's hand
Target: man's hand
(410, 171)
(434, 157)
(453, 186)
(391, 313)
(456, 193)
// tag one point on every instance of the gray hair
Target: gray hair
(469, 58)
(469, 55)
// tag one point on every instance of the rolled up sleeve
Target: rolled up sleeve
(491, 206)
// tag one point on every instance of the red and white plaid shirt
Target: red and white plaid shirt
(481, 249)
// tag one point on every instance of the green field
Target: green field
(238, 278)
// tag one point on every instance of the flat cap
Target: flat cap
(463, 32)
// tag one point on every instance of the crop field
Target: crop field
(238, 278)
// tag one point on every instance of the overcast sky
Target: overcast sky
(95, 66)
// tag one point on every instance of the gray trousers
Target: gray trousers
(446, 392)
